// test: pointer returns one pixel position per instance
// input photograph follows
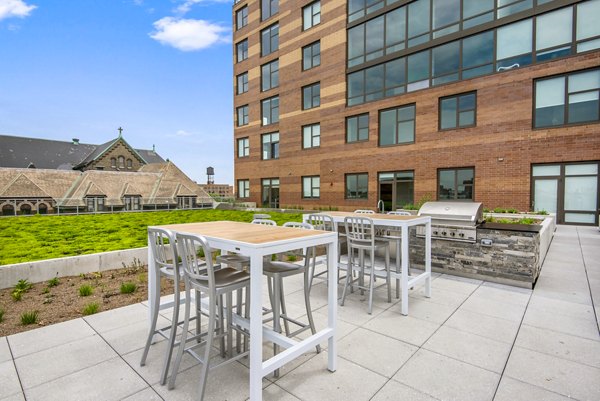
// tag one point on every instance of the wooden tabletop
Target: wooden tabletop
(243, 232)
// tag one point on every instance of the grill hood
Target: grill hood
(453, 213)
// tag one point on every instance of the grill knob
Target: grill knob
(444, 233)
(435, 233)
(461, 235)
(452, 234)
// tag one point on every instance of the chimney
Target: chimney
(75, 141)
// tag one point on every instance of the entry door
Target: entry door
(270, 192)
(396, 189)
(386, 194)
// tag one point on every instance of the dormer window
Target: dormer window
(121, 162)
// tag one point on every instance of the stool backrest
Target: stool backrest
(399, 213)
(265, 222)
(294, 224)
(196, 257)
(163, 245)
(364, 211)
(321, 222)
(360, 231)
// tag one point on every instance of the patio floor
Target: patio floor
(471, 340)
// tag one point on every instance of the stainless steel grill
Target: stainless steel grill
(455, 221)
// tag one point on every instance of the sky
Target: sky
(160, 69)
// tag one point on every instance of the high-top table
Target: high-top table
(256, 241)
(403, 223)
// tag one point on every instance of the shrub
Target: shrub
(53, 282)
(16, 295)
(29, 317)
(23, 285)
(128, 288)
(1, 315)
(85, 290)
(292, 258)
(91, 308)
(499, 210)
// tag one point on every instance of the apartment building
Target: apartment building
(365, 103)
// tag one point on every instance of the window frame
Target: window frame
(455, 170)
(244, 83)
(246, 183)
(246, 115)
(273, 39)
(310, 47)
(457, 111)
(271, 73)
(398, 121)
(244, 150)
(243, 46)
(312, 135)
(311, 87)
(312, 15)
(356, 176)
(273, 146)
(311, 179)
(241, 18)
(358, 128)
(271, 12)
(271, 109)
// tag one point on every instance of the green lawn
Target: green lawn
(24, 239)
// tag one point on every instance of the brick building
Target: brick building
(346, 103)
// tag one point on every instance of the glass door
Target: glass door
(270, 192)
(396, 189)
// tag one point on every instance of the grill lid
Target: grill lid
(455, 213)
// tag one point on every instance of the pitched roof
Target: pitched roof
(54, 183)
(20, 152)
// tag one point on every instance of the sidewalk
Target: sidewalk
(471, 340)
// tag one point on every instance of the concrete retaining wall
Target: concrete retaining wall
(43, 270)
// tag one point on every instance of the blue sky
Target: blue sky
(161, 69)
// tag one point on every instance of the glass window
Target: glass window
(458, 111)
(357, 128)
(129, 163)
(418, 71)
(478, 55)
(113, 162)
(270, 146)
(121, 162)
(243, 147)
(242, 115)
(357, 186)
(513, 48)
(418, 22)
(268, 8)
(569, 99)
(243, 189)
(270, 110)
(397, 126)
(587, 22)
(311, 136)
(241, 18)
(241, 50)
(456, 184)
(242, 83)
(269, 40)
(395, 27)
(445, 63)
(269, 75)
(311, 96)
(311, 15)
(311, 187)
(446, 15)
(311, 55)
(509, 7)
(554, 31)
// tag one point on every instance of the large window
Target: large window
(270, 146)
(311, 15)
(269, 40)
(242, 83)
(397, 125)
(132, 202)
(311, 187)
(357, 128)
(311, 136)
(269, 75)
(311, 96)
(311, 55)
(268, 8)
(243, 188)
(270, 110)
(241, 50)
(458, 111)
(242, 115)
(357, 186)
(567, 99)
(555, 34)
(94, 203)
(456, 184)
(241, 18)
(243, 147)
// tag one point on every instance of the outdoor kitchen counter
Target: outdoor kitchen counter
(403, 224)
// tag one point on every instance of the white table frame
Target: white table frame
(256, 251)
(403, 223)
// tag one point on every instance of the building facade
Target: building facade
(359, 103)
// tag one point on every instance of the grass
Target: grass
(29, 317)
(128, 288)
(53, 282)
(16, 295)
(39, 237)
(85, 290)
(90, 309)
(23, 285)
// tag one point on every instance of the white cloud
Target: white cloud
(189, 34)
(183, 133)
(187, 4)
(14, 8)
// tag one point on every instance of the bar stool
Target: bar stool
(397, 239)
(360, 233)
(323, 222)
(205, 278)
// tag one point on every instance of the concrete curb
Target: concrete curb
(43, 270)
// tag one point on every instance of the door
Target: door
(396, 189)
(568, 189)
(270, 192)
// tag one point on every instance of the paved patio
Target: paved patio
(471, 340)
